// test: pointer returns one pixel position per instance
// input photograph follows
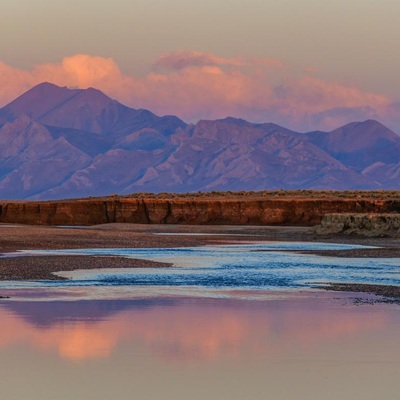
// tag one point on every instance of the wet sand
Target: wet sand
(27, 237)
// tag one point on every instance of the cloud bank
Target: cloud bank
(196, 85)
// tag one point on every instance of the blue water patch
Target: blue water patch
(268, 266)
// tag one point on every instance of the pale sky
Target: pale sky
(353, 43)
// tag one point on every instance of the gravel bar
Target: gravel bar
(43, 267)
(389, 292)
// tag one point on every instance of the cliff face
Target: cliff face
(305, 212)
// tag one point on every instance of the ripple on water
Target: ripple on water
(256, 266)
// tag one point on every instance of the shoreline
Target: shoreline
(389, 293)
(30, 268)
(43, 267)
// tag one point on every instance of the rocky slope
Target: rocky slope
(370, 225)
(60, 143)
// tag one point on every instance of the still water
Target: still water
(225, 322)
(183, 348)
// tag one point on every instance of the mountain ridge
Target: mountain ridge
(57, 142)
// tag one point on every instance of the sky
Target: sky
(304, 64)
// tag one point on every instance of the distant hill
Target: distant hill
(60, 143)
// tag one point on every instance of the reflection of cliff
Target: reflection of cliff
(256, 211)
(55, 312)
(189, 330)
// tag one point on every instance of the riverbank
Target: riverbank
(44, 267)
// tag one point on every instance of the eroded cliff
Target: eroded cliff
(195, 210)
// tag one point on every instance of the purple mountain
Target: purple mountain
(58, 143)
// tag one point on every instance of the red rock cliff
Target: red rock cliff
(223, 211)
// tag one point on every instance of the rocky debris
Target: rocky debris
(369, 225)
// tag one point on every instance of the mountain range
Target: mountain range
(57, 142)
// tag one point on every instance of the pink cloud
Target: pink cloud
(184, 59)
(80, 70)
(13, 82)
(195, 85)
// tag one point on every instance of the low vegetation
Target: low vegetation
(314, 194)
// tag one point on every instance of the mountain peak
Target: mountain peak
(47, 89)
(46, 96)
(37, 101)
(46, 86)
(371, 122)
(235, 121)
(367, 124)
(378, 126)
(80, 142)
(365, 131)
(94, 97)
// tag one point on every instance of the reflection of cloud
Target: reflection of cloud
(74, 341)
(188, 335)
(84, 342)
(189, 332)
(197, 85)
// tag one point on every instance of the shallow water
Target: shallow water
(196, 348)
(220, 271)
(226, 322)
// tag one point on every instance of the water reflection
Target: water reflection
(182, 330)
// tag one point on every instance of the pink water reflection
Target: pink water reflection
(194, 330)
